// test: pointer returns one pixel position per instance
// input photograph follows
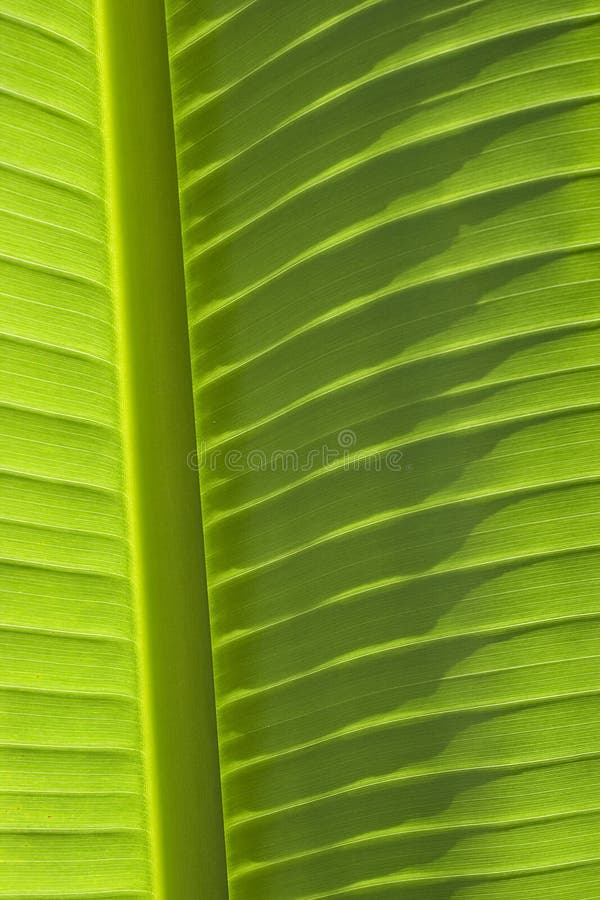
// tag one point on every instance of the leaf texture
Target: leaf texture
(390, 216)
(72, 816)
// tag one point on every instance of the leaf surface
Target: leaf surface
(390, 219)
(72, 808)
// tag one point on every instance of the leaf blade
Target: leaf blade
(390, 230)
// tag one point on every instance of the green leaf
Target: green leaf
(72, 809)
(390, 219)
(344, 399)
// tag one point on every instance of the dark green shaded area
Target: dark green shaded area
(391, 241)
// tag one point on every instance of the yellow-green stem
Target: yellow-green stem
(176, 685)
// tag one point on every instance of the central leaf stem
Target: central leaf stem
(176, 683)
